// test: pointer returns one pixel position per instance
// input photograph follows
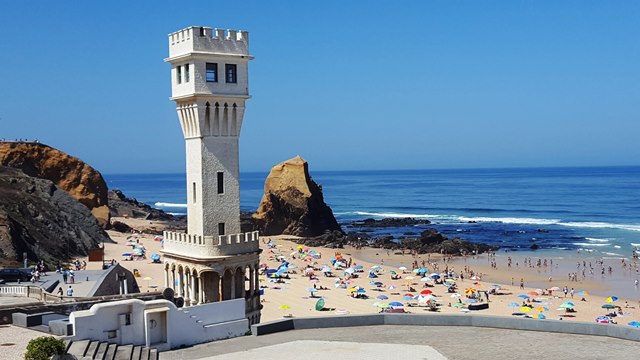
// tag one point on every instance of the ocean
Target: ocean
(594, 210)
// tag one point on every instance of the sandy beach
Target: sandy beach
(293, 296)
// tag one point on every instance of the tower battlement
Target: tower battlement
(208, 40)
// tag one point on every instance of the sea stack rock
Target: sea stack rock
(70, 174)
(293, 203)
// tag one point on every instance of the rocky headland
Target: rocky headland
(293, 203)
(41, 219)
(69, 173)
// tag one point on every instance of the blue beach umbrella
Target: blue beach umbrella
(382, 297)
(635, 324)
(358, 267)
(472, 301)
(361, 291)
(407, 298)
(396, 304)
(523, 296)
(514, 305)
(567, 304)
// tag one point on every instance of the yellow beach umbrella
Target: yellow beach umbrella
(525, 309)
(284, 307)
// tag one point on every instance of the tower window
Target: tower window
(179, 74)
(220, 228)
(212, 72)
(186, 72)
(220, 182)
(194, 192)
(231, 73)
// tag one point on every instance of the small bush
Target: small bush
(43, 348)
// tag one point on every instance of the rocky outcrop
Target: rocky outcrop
(71, 174)
(39, 218)
(388, 222)
(293, 203)
(122, 206)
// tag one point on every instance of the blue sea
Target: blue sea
(595, 210)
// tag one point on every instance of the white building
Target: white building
(214, 261)
(159, 323)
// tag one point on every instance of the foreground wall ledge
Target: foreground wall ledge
(619, 331)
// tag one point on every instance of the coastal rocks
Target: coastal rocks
(293, 203)
(39, 218)
(431, 241)
(70, 174)
(122, 206)
(389, 222)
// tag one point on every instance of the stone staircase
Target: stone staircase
(96, 350)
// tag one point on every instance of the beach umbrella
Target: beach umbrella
(382, 297)
(554, 288)
(391, 287)
(532, 293)
(567, 304)
(540, 316)
(393, 272)
(523, 296)
(376, 283)
(539, 291)
(396, 304)
(470, 291)
(358, 267)
(603, 319)
(435, 276)
(126, 254)
(525, 309)
(472, 301)
(320, 304)
(611, 299)
(513, 305)
(408, 294)
(407, 298)
(361, 291)
(409, 278)
(635, 324)
(458, 304)
(495, 286)
(426, 279)
(383, 305)
(583, 292)
(402, 268)
(352, 290)
(608, 306)
(326, 268)
(284, 307)
(455, 295)
(426, 292)
(376, 267)
(542, 308)
(372, 275)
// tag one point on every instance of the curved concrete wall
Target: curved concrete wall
(619, 331)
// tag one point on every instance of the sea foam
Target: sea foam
(170, 205)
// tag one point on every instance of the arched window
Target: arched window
(207, 118)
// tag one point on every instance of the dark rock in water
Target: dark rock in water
(534, 247)
(69, 173)
(389, 222)
(293, 203)
(122, 206)
(431, 241)
(39, 218)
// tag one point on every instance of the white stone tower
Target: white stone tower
(209, 82)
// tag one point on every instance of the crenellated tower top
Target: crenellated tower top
(208, 40)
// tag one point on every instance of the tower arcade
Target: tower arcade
(212, 261)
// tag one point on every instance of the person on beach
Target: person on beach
(65, 276)
(60, 291)
(70, 291)
(521, 283)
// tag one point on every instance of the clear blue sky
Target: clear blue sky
(347, 85)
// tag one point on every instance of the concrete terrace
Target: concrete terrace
(400, 341)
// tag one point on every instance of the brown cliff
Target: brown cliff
(293, 203)
(69, 173)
